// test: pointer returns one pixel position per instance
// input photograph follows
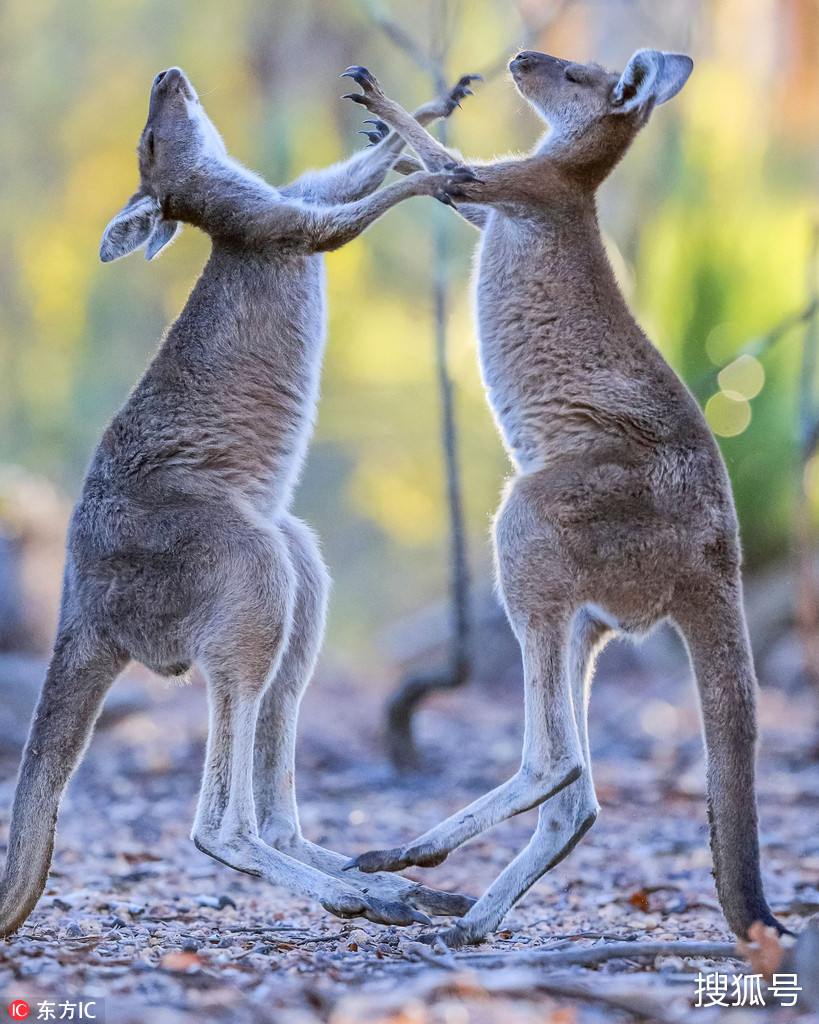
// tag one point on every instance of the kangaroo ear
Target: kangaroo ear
(131, 228)
(650, 78)
(163, 234)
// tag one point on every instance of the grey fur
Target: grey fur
(620, 512)
(181, 549)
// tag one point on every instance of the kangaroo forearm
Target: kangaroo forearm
(394, 142)
(245, 211)
(424, 115)
(227, 203)
(333, 226)
(433, 155)
(363, 172)
(346, 181)
(474, 214)
(509, 185)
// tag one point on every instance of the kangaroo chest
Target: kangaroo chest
(524, 311)
(551, 325)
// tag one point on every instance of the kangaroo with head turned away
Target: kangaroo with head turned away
(181, 549)
(620, 512)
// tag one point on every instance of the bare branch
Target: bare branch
(399, 36)
(806, 423)
(756, 346)
(402, 704)
(807, 431)
(759, 345)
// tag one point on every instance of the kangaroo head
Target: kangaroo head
(178, 138)
(593, 114)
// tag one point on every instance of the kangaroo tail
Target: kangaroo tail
(714, 628)
(76, 683)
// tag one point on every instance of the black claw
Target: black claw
(377, 860)
(374, 137)
(441, 904)
(360, 76)
(459, 91)
(460, 173)
(443, 197)
(394, 912)
(381, 131)
(356, 97)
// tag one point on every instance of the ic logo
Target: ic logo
(18, 1010)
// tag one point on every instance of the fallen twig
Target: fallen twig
(264, 929)
(571, 936)
(593, 955)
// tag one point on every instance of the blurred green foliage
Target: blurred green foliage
(708, 219)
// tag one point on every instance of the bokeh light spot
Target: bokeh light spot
(744, 376)
(728, 413)
(659, 718)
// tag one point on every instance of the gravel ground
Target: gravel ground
(134, 914)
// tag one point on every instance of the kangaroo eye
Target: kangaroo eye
(573, 76)
(149, 144)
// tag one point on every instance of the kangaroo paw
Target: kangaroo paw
(460, 91)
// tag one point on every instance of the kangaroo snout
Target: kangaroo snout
(531, 60)
(172, 81)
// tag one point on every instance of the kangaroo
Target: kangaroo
(181, 549)
(619, 514)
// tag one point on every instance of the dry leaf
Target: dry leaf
(639, 900)
(565, 1015)
(764, 951)
(180, 961)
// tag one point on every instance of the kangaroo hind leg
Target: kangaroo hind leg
(274, 763)
(563, 820)
(246, 641)
(552, 756)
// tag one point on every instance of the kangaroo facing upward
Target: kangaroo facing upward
(620, 512)
(181, 549)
